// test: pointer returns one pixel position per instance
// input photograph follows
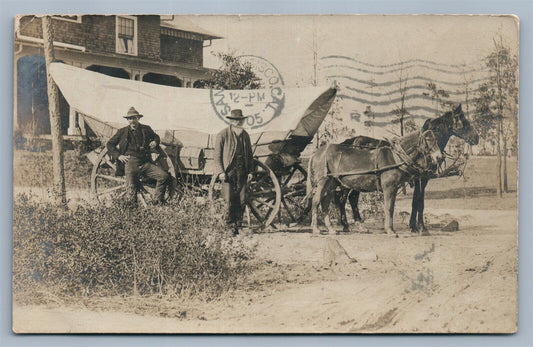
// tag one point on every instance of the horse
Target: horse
(459, 127)
(352, 196)
(452, 123)
(366, 170)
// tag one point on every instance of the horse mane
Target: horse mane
(442, 125)
(348, 141)
(433, 123)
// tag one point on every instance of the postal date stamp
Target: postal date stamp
(260, 106)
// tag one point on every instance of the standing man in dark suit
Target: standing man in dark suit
(234, 165)
(132, 146)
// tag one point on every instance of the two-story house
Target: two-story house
(150, 48)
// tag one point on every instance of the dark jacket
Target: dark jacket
(118, 144)
(225, 147)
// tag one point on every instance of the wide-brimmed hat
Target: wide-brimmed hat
(132, 112)
(236, 114)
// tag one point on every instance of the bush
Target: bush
(180, 249)
(34, 169)
(371, 205)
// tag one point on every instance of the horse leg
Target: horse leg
(389, 199)
(317, 202)
(340, 201)
(415, 205)
(353, 197)
(421, 225)
(328, 194)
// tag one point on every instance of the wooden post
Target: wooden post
(59, 191)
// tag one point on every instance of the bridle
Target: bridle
(424, 160)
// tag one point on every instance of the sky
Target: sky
(356, 51)
(287, 41)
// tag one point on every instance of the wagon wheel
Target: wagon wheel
(263, 194)
(293, 191)
(107, 186)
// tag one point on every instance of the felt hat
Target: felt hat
(236, 114)
(132, 112)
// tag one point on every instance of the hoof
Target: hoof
(315, 232)
(392, 233)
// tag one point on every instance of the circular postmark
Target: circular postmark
(260, 106)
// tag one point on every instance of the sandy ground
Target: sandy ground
(459, 282)
(463, 281)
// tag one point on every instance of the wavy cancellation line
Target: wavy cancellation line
(342, 57)
(412, 97)
(383, 112)
(419, 78)
(405, 69)
(388, 124)
(415, 89)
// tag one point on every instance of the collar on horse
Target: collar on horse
(418, 160)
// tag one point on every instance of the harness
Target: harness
(424, 147)
(405, 161)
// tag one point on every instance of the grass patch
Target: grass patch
(179, 250)
(34, 169)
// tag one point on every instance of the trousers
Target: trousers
(136, 167)
(234, 194)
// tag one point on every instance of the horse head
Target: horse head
(452, 123)
(462, 128)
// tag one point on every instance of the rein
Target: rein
(424, 147)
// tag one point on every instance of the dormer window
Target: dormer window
(126, 35)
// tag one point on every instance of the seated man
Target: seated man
(132, 146)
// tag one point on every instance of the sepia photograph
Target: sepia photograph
(265, 174)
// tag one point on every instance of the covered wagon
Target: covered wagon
(281, 123)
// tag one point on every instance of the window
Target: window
(67, 18)
(126, 35)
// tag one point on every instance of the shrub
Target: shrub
(34, 169)
(371, 205)
(179, 249)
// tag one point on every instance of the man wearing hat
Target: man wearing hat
(132, 146)
(234, 165)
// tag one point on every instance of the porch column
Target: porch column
(81, 125)
(72, 122)
(15, 94)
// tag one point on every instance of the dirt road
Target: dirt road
(463, 281)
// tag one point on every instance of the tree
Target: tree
(438, 96)
(233, 74)
(400, 112)
(497, 106)
(371, 117)
(334, 127)
(59, 190)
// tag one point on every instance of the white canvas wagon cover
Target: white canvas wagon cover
(188, 116)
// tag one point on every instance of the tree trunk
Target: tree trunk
(59, 191)
(498, 152)
(505, 185)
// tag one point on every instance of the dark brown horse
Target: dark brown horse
(459, 127)
(442, 128)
